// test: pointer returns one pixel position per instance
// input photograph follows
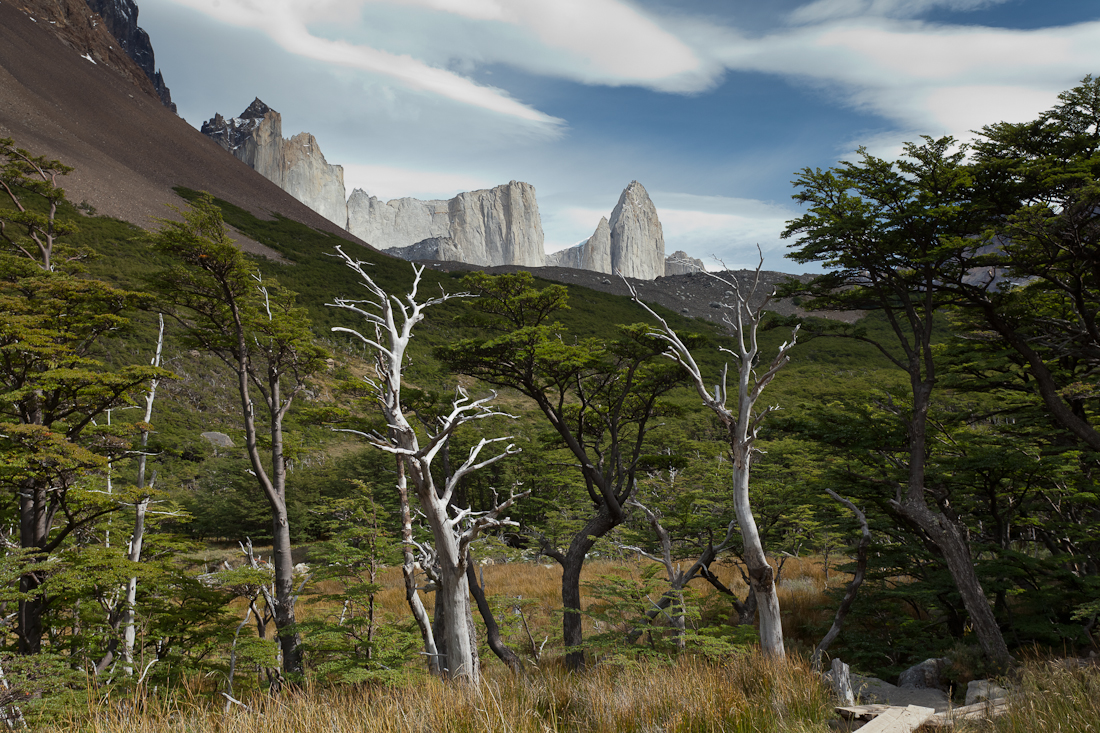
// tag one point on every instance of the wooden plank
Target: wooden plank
(977, 711)
(899, 720)
(861, 711)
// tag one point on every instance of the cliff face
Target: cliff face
(488, 227)
(121, 17)
(632, 243)
(297, 165)
(592, 254)
(637, 240)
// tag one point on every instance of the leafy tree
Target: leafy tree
(598, 397)
(889, 232)
(54, 380)
(26, 230)
(1038, 184)
(256, 330)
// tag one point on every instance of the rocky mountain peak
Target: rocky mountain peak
(121, 17)
(637, 239)
(297, 165)
(255, 111)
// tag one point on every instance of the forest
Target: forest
(338, 489)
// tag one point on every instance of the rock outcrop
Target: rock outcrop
(681, 263)
(80, 28)
(637, 241)
(592, 254)
(443, 249)
(488, 227)
(121, 18)
(632, 242)
(296, 165)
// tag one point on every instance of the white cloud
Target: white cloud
(602, 39)
(823, 10)
(929, 78)
(285, 22)
(387, 182)
(729, 229)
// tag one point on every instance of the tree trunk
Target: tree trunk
(33, 531)
(761, 574)
(408, 571)
(289, 640)
(454, 592)
(572, 562)
(950, 540)
(492, 630)
(128, 634)
(572, 632)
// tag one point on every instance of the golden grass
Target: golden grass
(746, 693)
(1049, 697)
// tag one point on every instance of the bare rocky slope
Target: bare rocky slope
(106, 120)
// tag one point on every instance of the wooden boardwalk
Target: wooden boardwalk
(898, 719)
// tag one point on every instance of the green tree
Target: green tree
(889, 233)
(28, 229)
(256, 330)
(598, 397)
(1038, 184)
(54, 379)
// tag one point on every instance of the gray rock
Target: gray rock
(680, 263)
(218, 440)
(637, 240)
(874, 690)
(925, 675)
(434, 248)
(592, 254)
(982, 690)
(489, 227)
(296, 165)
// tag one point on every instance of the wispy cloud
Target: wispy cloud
(388, 182)
(823, 10)
(928, 78)
(285, 21)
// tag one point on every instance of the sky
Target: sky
(713, 105)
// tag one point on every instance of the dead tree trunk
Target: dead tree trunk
(392, 321)
(853, 587)
(742, 422)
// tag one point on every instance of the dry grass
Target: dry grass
(1049, 697)
(743, 694)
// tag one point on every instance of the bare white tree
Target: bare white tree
(391, 320)
(742, 422)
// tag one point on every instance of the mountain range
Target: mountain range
(68, 91)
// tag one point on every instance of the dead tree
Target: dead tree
(853, 587)
(392, 320)
(742, 422)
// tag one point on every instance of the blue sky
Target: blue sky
(713, 105)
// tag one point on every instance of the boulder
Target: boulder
(218, 440)
(924, 676)
(983, 690)
(680, 263)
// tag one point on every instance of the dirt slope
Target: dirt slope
(127, 148)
